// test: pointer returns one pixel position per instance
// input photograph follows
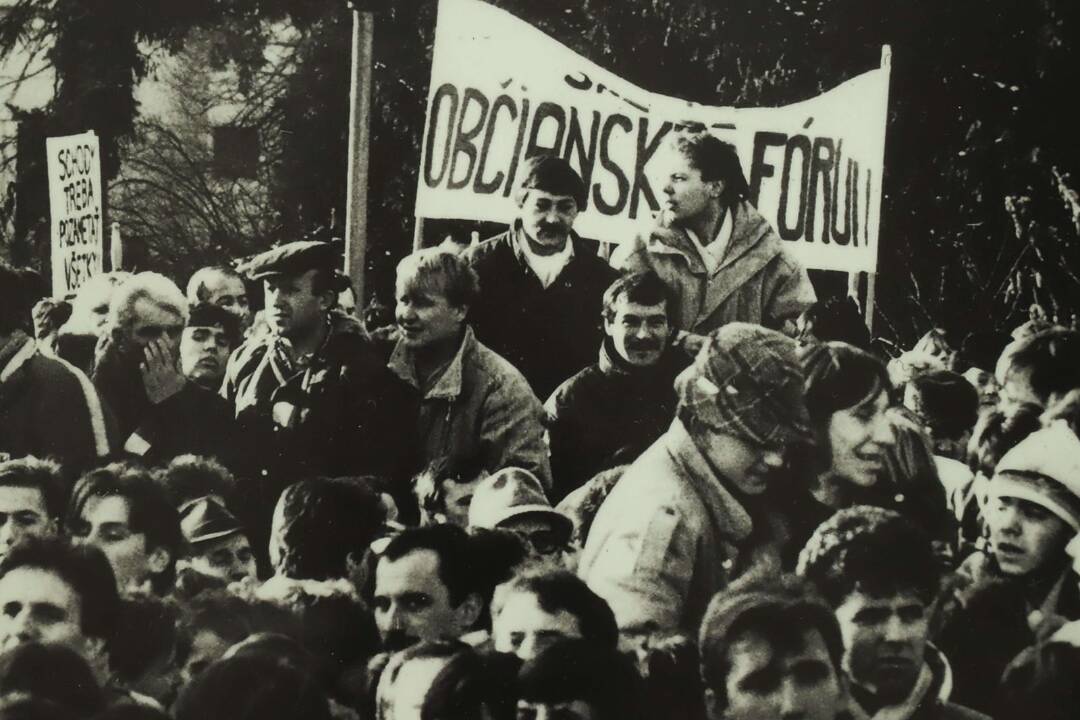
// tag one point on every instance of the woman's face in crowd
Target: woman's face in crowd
(424, 316)
(1024, 537)
(859, 437)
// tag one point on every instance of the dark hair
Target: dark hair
(571, 670)
(981, 349)
(949, 404)
(996, 433)
(456, 277)
(453, 547)
(149, 633)
(473, 685)
(1052, 357)
(252, 687)
(18, 292)
(324, 520)
(551, 174)
(150, 511)
(837, 319)
(428, 483)
(779, 609)
(19, 706)
(714, 159)
(872, 550)
(51, 672)
(233, 619)
(188, 477)
(559, 590)
(45, 476)
(644, 288)
(84, 568)
(498, 554)
(207, 315)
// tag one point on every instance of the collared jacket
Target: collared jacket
(479, 407)
(757, 281)
(48, 408)
(341, 413)
(929, 698)
(669, 536)
(547, 333)
(608, 414)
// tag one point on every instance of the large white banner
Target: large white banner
(74, 166)
(502, 90)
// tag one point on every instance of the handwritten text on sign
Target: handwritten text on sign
(74, 165)
(814, 167)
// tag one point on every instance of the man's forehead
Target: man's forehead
(859, 600)
(753, 650)
(38, 586)
(220, 284)
(418, 569)
(626, 306)
(14, 498)
(538, 195)
(107, 509)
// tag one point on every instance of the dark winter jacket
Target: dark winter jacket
(547, 333)
(608, 414)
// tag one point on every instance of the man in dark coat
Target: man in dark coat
(540, 284)
(313, 396)
(614, 409)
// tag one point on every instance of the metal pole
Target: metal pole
(359, 144)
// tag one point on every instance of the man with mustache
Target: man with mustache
(611, 411)
(211, 334)
(721, 259)
(541, 284)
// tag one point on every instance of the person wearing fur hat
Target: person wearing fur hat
(314, 396)
(1023, 582)
(878, 573)
(687, 516)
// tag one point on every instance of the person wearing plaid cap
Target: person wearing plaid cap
(686, 519)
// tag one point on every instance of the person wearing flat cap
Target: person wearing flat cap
(217, 544)
(687, 518)
(1021, 586)
(313, 395)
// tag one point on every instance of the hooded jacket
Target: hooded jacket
(757, 281)
(670, 536)
(608, 414)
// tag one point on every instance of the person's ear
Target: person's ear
(158, 560)
(716, 189)
(94, 651)
(713, 709)
(459, 312)
(468, 612)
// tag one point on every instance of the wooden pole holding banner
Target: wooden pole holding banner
(359, 144)
(418, 235)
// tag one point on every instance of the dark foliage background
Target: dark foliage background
(981, 217)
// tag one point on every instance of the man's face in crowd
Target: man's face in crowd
(293, 308)
(639, 332)
(156, 322)
(523, 628)
(686, 195)
(229, 558)
(457, 497)
(1024, 537)
(547, 219)
(985, 384)
(768, 683)
(105, 523)
(566, 710)
(204, 350)
(38, 606)
(859, 437)
(884, 642)
(425, 317)
(22, 514)
(749, 467)
(229, 293)
(412, 603)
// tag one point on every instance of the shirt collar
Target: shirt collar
(712, 253)
(448, 385)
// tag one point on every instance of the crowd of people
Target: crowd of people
(664, 482)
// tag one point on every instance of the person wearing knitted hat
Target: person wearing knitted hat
(686, 518)
(878, 573)
(1021, 586)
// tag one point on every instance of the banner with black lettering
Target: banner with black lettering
(502, 90)
(74, 167)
